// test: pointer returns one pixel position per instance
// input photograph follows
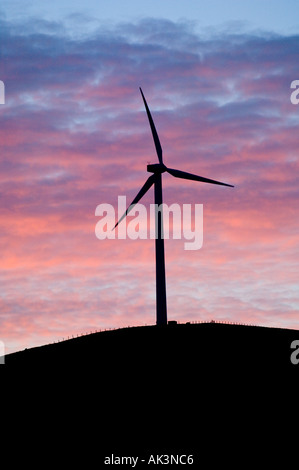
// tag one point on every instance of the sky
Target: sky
(74, 134)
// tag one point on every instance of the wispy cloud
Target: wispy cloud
(74, 134)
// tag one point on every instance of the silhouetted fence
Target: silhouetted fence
(194, 322)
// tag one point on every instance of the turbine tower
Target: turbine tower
(156, 179)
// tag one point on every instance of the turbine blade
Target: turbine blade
(149, 182)
(189, 176)
(154, 132)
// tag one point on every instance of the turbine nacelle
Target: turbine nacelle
(156, 168)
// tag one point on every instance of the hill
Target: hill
(213, 390)
(205, 347)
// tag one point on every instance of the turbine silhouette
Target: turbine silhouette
(156, 178)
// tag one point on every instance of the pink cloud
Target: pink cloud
(75, 134)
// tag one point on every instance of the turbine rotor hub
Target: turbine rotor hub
(156, 168)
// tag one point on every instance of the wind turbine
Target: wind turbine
(156, 179)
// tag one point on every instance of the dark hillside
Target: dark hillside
(215, 390)
(205, 347)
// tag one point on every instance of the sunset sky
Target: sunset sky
(74, 134)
